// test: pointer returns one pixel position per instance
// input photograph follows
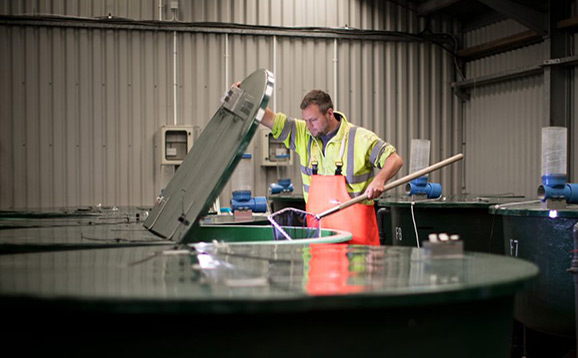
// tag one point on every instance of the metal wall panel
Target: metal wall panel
(502, 126)
(518, 58)
(320, 13)
(80, 107)
(494, 32)
(502, 122)
(573, 140)
(132, 9)
(573, 129)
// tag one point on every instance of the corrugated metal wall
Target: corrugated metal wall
(502, 125)
(493, 32)
(573, 142)
(573, 125)
(366, 14)
(80, 107)
(503, 121)
(80, 111)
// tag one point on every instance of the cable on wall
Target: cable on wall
(446, 41)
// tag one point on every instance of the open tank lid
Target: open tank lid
(214, 156)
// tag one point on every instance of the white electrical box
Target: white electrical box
(174, 143)
(272, 151)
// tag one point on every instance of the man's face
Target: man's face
(317, 122)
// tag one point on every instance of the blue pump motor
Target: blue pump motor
(554, 186)
(242, 200)
(420, 186)
(282, 186)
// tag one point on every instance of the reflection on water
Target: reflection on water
(327, 270)
(59, 230)
(323, 269)
(221, 271)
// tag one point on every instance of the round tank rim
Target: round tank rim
(338, 236)
(569, 212)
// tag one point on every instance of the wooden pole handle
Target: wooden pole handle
(395, 183)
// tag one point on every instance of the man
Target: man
(337, 161)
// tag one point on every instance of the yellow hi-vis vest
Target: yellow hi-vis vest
(363, 151)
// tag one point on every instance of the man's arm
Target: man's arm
(268, 119)
(390, 168)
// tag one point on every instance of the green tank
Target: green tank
(543, 237)
(466, 216)
(260, 300)
(255, 219)
(90, 228)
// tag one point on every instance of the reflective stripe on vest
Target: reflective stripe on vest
(377, 151)
(351, 155)
(289, 127)
(306, 170)
(351, 178)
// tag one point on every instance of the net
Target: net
(291, 224)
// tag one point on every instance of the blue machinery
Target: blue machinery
(420, 150)
(282, 186)
(242, 200)
(421, 186)
(555, 188)
(242, 182)
(554, 192)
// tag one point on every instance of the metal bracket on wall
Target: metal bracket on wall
(462, 88)
(461, 94)
(466, 85)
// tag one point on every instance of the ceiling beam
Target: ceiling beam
(500, 45)
(533, 19)
(478, 21)
(433, 5)
(570, 24)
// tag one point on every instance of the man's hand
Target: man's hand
(375, 189)
(392, 165)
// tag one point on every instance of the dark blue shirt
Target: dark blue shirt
(326, 138)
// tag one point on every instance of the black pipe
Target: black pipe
(383, 224)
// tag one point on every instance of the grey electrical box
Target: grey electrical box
(273, 151)
(175, 143)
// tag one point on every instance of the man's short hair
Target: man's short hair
(318, 97)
